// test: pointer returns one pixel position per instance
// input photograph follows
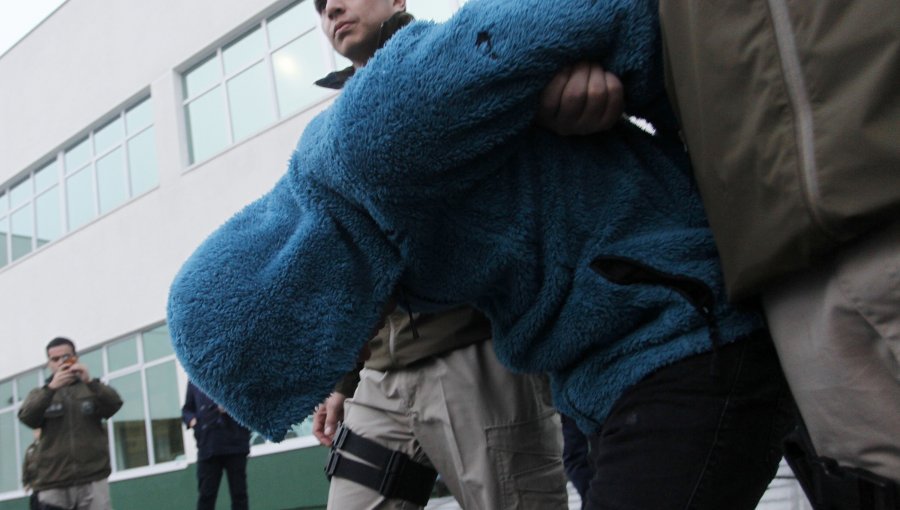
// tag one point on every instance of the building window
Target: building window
(302, 429)
(14, 435)
(266, 74)
(435, 10)
(91, 177)
(142, 368)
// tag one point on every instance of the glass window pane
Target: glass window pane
(157, 343)
(435, 10)
(247, 94)
(289, 24)
(4, 238)
(122, 354)
(129, 430)
(297, 66)
(165, 413)
(244, 51)
(49, 222)
(9, 460)
(111, 181)
(46, 177)
(4, 202)
(93, 360)
(22, 225)
(142, 162)
(139, 117)
(341, 62)
(202, 77)
(207, 125)
(27, 382)
(6, 393)
(303, 428)
(80, 198)
(109, 136)
(77, 156)
(21, 192)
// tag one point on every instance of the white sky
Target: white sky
(18, 17)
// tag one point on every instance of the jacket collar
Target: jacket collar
(337, 79)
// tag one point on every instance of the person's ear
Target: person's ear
(400, 5)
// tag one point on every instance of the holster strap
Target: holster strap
(396, 476)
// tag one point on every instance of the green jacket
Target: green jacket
(398, 344)
(791, 113)
(74, 446)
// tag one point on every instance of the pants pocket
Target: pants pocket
(528, 459)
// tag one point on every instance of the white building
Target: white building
(129, 130)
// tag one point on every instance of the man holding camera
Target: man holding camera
(73, 457)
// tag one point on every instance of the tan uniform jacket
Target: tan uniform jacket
(395, 347)
(74, 446)
(791, 113)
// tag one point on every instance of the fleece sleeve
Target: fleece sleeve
(437, 106)
(273, 308)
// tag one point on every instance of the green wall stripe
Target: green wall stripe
(292, 480)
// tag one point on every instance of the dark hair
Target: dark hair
(56, 342)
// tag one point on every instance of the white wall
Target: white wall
(111, 277)
(92, 55)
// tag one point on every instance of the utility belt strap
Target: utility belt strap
(396, 476)
(830, 486)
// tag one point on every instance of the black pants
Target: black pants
(702, 433)
(209, 475)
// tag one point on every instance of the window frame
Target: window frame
(140, 366)
(60, 184)
(330, 59)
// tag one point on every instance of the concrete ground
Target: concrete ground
(448, 503)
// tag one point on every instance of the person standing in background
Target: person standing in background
(222, 444)
(29, 470)
(73, 456)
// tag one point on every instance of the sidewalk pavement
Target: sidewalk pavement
(448, 503)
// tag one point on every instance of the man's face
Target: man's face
(59, 356)
(353, 26)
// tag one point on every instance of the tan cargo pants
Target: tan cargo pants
(89, 496)
(492, 435)
(837, 331)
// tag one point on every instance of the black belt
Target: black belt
(396, 477)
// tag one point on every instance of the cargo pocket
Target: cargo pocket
(527, 457)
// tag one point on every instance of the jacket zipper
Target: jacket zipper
(803, 117)
(70, 411)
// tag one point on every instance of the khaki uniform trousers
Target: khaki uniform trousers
(492, 435)
(89, 496)
(837, 331)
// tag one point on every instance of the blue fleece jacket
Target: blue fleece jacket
(590, 255)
